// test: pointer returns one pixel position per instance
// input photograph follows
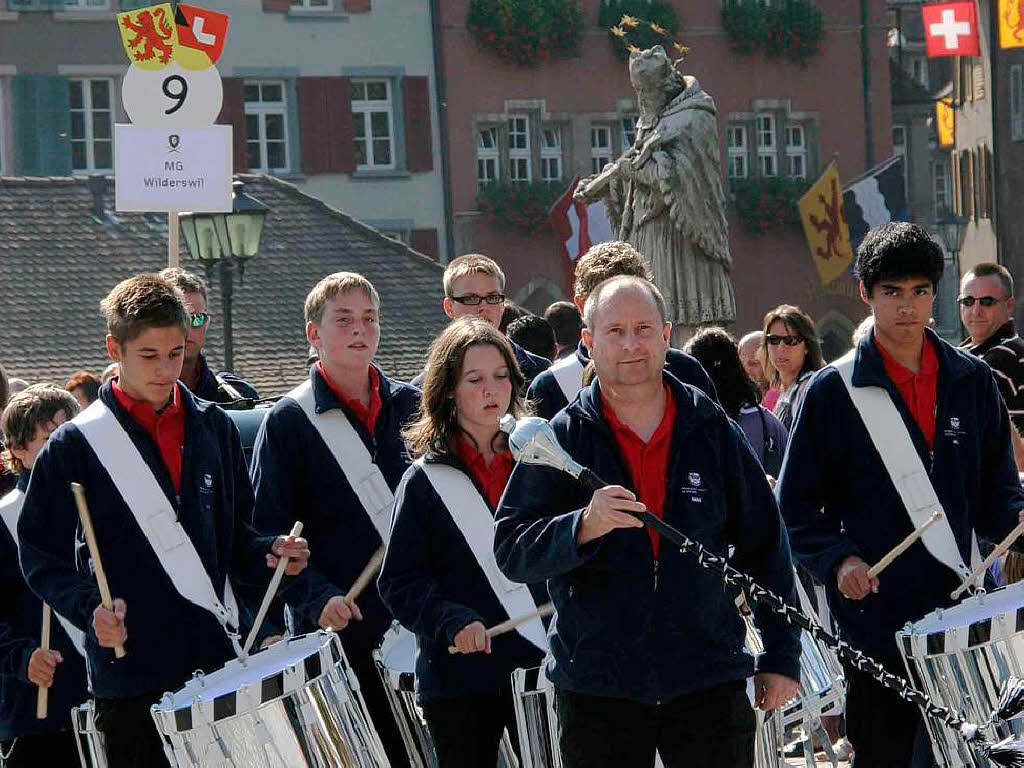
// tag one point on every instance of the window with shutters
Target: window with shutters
(266, 125)
(551, 153)
(1016, 103)
(312, 5)
(942, 188)
(600, 147)
(767, 159)
(796, 151)
(373, 123)
(92, 124)
(488, 156)
(628, 131)
(519, 148)
(737, 152)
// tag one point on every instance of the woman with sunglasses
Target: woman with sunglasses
(440, 579)
(792, 353)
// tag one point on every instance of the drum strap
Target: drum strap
(568, 372)
(350, 452)
(154, 514)
(474, 520)
(906, 470)
(10, 511)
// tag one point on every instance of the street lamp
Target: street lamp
(952, 229)
(226, 240)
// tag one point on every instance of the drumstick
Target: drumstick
(509, 624)
(1004, 545)
(44, 693)
(94, 553)
(371, 569)
(275, 581)
(900, 548)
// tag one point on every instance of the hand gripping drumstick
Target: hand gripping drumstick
(44, 693)
(509, 624)
(1004, 545)
(94, 553)
(902, 547)
(275, 582)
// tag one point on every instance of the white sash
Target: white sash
(474, 519)
(10, 511)
(568, 372)
(896, 449)
(355, 461)
(153, 512)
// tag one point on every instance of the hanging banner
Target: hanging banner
(821, 213)
(945, 124)
(1011, 24)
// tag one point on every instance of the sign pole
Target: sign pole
(173, 241)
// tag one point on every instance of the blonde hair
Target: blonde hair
(333, 286)
(471, 264)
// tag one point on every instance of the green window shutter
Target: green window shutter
(42, 124)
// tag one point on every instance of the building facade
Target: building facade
(336, 96)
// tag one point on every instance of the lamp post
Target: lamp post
(226, 240)
(952, 229)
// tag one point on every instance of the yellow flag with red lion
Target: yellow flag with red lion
(828, 236)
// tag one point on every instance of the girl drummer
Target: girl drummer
(439, 575)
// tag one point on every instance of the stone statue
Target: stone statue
(665, 197)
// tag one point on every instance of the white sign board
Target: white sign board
(172, 97)
(172, 170)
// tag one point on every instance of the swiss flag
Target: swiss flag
(950, 29)
(577, 226)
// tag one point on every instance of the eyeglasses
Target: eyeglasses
(199, 319)
(985, 301)
(472, 300)
(790, 341)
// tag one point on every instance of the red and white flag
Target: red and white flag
(577, 226)
(950, 29)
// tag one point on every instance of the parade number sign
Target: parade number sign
(172, 94)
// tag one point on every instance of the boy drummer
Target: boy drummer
(163, 473)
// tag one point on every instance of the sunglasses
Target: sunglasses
(472, 300)
(790, 341)
(985, 301)
(199, 319)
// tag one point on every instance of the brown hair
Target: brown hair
(436, 426)
(186, 282)
(89, 382)
(141, 302)
(470, 264)
(607, 260)
(797, 322)
(333, 286)
(38, 404)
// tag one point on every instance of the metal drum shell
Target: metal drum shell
(92, 750)
(294, 705)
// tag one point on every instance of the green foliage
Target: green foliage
(523, 205)
(767, 202)
(526, 32)
(660, 12)
(791, 28)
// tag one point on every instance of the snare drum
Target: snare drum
(92, 751)
(960, 656)
(296, 704)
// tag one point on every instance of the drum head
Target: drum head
(971, 610)
(398, 650)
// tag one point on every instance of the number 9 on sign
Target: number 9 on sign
(172, 97)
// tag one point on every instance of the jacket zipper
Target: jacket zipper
(655, 574)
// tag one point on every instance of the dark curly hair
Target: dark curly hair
(716, 350)
(896, 251)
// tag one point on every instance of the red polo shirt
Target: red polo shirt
(493, 478)
(647, 462)
(366, 415)
(167, 428)
(918, 390)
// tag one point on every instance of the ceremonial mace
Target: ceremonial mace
(532, 441)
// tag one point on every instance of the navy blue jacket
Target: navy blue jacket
(530, 364)
(296, 477)
(548, 399)
(21, 615)
(168, 637)
(210, 389)
(433, 584)
(629, 627)
(838, 500)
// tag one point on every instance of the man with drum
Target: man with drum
(330, 453)
(647, 647)
(938, 419)
(165, 480)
